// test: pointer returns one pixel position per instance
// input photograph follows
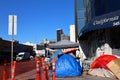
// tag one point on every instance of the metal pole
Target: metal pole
(12, 44)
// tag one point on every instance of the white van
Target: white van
(23, 56)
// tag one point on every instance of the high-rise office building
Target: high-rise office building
(64, 37)
(72, 33)
(59, 32)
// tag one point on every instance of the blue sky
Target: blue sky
(36, 19)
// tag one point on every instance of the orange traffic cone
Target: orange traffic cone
(13, 70)
(53, 68)
(4, 71)
(45, 72)
(38, 75)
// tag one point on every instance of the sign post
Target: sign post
(12, 31)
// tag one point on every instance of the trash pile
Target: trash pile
(105, 66)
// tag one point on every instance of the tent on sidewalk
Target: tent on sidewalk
(63, 44)
(67, 65)
(102, 61)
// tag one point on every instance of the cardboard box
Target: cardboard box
(114, 66)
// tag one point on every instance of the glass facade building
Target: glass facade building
(94, 8)
(79, 16)
(88, 10)
(105, 6)
(101, 24)
(100, 12)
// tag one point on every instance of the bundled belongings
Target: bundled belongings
(114, 66)
(101, 72)
(67, 65)
(99, 67)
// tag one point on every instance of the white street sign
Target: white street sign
(12, 29)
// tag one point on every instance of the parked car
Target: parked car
(23, 56)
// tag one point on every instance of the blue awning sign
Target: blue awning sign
(105, 20)
(101, 22)
(116, 23)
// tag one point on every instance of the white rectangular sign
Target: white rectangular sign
(12, 29)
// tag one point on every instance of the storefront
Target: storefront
(100, 30)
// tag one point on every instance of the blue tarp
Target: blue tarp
(67, 65)
(55, 54)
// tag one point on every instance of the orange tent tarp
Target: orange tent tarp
(102, 61)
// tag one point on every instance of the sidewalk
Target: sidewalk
(31, 75)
